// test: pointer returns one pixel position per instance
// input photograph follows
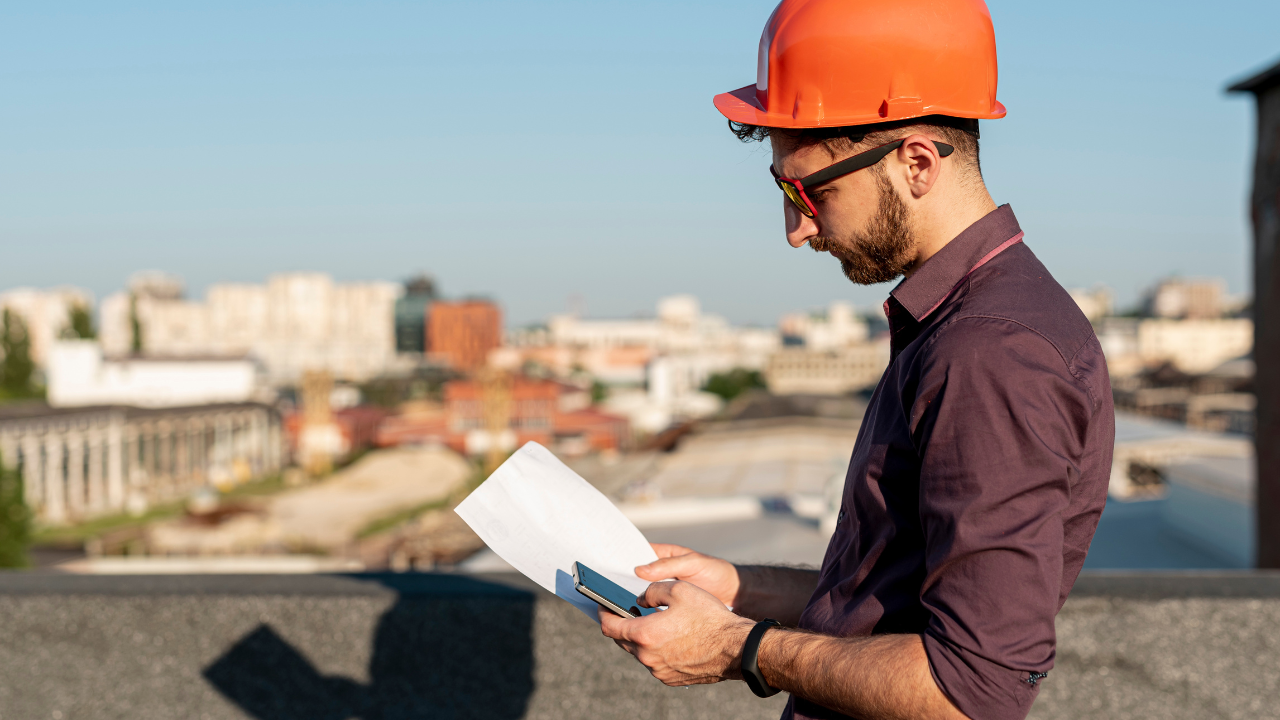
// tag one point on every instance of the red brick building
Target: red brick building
(462, 333)
(359, 427)
(552, 413)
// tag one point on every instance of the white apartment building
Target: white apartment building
(79, 376)
(706, 344)
(1095, 303)
(673, 355)
(801, 371)
(294, 323)
(839, 328)
(46, 313)
(1185, 298)
(1193, 346)
(680, 327)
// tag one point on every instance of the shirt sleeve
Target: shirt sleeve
(1000, 424)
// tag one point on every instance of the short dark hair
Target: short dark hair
(962, 133)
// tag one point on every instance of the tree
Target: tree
(599, 392)
(135, 326)
(79, 323)
(730, 385)
(17, 367)
(15, 520)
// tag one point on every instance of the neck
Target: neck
(938, 222)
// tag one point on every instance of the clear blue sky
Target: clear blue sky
(537, 151)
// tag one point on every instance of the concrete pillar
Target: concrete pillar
(164, 481)
(147, 451)
(115, 464)
(55, 496)
(199, 465)
(97, 476)
(260, 440)
(32, 472)
(275, 443)
(75, 476)
(222, 445)
(182, 471)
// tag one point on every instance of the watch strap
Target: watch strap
(750, 665)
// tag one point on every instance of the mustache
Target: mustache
(821, 244)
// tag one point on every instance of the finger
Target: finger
(657, 595)
(678, 566)
(611, 625)
(663, 550)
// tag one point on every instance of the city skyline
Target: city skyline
(369, 142)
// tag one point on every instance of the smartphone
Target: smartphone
(606, 592)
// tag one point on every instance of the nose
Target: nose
(800, 227)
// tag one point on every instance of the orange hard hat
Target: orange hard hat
(829, 63)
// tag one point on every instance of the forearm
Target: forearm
(881, 677)
(767, 591)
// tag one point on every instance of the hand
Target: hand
(716, 576)
(695, 641)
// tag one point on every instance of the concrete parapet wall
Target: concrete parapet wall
(410, 646)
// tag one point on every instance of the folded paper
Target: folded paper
(541, 517)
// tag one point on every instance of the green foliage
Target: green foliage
(15, 520)
(422, 384)
(730, 385)
(79, 324)
(599, 391)
(135, 326)
(17, 368)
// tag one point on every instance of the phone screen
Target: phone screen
(606, 592)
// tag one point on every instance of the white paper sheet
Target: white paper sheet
(541, 517)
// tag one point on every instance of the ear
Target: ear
(921, 164)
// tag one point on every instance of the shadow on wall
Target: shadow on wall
(466, 655)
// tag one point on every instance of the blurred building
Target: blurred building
(838, 328)
(680, 327)
(1198, 299)
(354, 429)
(1192, 346)
(553, 413)
(294, 323)
(46, 313)
(78, 375)
(79, 463)
(411, 315)
(1095, 303)
(801, 371)
(463, 333)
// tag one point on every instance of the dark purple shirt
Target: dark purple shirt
(978, 476)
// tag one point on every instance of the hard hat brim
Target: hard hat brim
(741, 106)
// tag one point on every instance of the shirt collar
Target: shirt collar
(930, 285)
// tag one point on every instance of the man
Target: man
(980, 471)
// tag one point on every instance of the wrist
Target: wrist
(752, 671)
(747, 581)
(733, 637)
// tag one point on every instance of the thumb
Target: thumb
(671, 567)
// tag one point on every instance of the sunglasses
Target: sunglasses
(795, 189)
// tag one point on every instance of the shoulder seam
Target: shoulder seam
(1065, 361)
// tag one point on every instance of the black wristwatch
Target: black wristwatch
(750, 668)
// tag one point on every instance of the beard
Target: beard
(885, 251)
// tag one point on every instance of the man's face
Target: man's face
(861, 219)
